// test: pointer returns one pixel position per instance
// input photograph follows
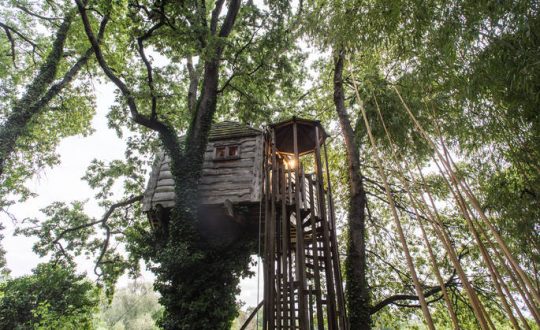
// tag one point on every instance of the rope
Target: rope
(397, 221)
(263, 177)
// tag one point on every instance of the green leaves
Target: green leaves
(65, 233)
(53, 297)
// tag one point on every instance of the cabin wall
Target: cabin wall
(237, 180)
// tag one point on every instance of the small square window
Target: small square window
(233, 151)
(221, 152)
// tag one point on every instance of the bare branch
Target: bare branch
(148, 65)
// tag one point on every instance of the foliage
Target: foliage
(53, 297)
(468, 70)
(42, 55)
(133, 307)
(4, 271)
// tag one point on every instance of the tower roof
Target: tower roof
(306, 133)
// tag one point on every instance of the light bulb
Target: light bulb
(291, 163)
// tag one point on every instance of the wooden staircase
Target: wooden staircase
(303, 286)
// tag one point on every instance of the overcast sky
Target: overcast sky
(63, 183)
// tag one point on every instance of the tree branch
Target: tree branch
(149, 74)
(398, 297)
(194, 76)
(22, 36)
(215, 16)
(72, 72)
(16, 123)
(12, 43)
(103, 219)
(31, 13)
(253, 313)
(228, 23)
(167, 134)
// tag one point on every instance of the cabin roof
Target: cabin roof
(230, 129)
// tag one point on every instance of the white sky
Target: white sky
(63, 183)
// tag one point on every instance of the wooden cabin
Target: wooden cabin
(229, 188)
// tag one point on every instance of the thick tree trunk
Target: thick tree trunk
(357, 291)
(197, 282)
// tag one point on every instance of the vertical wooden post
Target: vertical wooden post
(300, 249)
(331, 296)
(272, 238)
(316, 259)
(266, 255)
(335, 255)
(285, 252)
(278, 278)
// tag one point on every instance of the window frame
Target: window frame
(226, 157)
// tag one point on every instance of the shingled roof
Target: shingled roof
(231, 129)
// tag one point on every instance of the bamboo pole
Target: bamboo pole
(531, 308)
(434, 266)
(463, 185)
(331, 295)
(445, 238)
(519, 284)
(464, 211)
(342, 314)
(507, 292)
(468, 216)
(418, 288)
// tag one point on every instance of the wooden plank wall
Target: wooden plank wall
(238, 180)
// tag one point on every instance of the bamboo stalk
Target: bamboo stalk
(434, 266)
(444, 237)
(464, 186)
(418, 288)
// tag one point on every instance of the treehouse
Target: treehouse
(273, 186)
(229, 188)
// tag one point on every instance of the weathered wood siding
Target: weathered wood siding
(238, 180)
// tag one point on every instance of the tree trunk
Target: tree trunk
(357, 291)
